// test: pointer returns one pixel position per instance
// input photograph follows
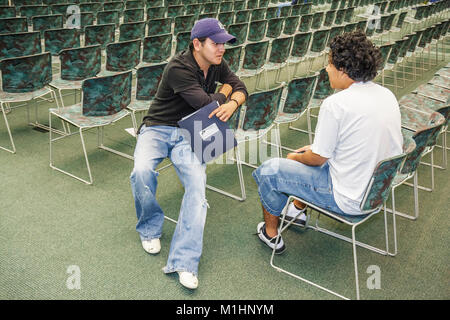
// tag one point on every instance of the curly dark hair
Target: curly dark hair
(356, 55)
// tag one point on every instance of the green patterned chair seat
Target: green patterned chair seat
(417, 101)
(418, 118)
(433, 92)
(439, 81)
(138, 105)
(444, 72)
(284, 117)
(73, 114)
(23, 96)
(66, 84)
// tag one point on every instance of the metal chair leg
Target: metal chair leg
(13, 150)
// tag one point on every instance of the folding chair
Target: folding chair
(147, 82)
(104, 102)
(132, 31)
(23, 79)
(253, 121)
(373, 201)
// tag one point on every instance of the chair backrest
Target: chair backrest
(183, 23)
(340, 16)
(421, 138)
(41, 23)
(349, 14)
(58, 39)
(301, 44)
(80, 63)
(258, 14)
(317, 20)
(262, 109)
(122, 56)
(255, 55)
(131, 31)
(134, 4)
(102, 34)
(114, 5)
(104, 96)
(385, 49)
(257, 30)
(306, 8)
(319, 40)
(26, 74)
(393, 55)
(173, 11)
(329, 18)
(380, 183)
(239, 30)
(86, 19)
(226, 6)
(291, 24)
(108, 16)
(156, 12)
(323, 88)
(32, 11)
(274, 27)
(242, 16)
(252, 4)
(183, 40)
(133, 15)
(300, 93)
(93, 7)
(157, 49)
(13, 25)
(159, 26)
(305, 23)
(61, 8)
(280, 49)
(232, 56)
(7, 12)
(19, 44)
(296, 10)
(239, 5)
(226, 17)
(148, 79)
(334, 31)
(271, 12)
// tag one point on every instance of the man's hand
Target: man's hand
(306, 156)
(224, 111)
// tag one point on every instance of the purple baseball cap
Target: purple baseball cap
(213, 29)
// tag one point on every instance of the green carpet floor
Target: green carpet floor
(50, 222)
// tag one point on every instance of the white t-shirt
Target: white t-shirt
(357, 127)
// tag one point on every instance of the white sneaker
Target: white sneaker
(152, 246)
(292, 212)
(188, 279)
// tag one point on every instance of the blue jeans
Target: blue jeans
(154, 144)
(279, 178)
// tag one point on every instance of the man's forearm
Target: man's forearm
(239, 97)
(308, 157)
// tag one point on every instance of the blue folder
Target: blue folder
(209, 138)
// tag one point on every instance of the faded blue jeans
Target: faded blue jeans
(278, 178)
(154, 144)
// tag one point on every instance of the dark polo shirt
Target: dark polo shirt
(183, 89)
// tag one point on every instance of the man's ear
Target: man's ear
(197, 43)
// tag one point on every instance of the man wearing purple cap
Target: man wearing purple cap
(188, 83)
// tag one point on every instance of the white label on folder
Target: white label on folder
(209, 131)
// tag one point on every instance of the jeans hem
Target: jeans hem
(174, 269)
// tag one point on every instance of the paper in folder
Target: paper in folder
(209, 138)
